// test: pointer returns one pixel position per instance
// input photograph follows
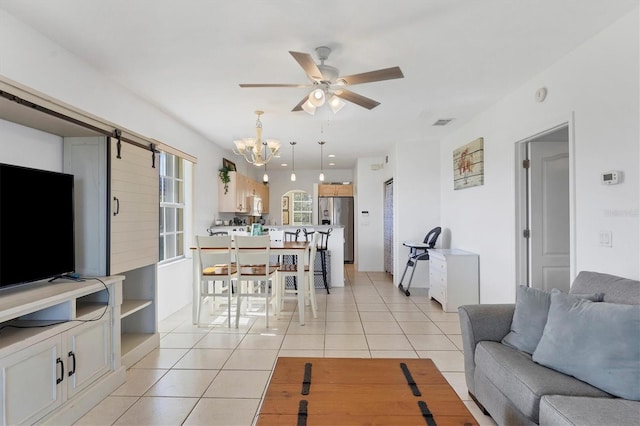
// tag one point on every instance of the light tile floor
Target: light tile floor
(218, 376)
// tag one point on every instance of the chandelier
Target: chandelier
(255, 150)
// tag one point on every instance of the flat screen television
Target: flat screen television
(36, 225)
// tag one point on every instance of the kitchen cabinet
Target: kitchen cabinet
(453, 278)
(335, 190)
(58, 371)
(233, 199)
(239, 189)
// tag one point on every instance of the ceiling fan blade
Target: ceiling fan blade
(299, 106)
(276, 85)
(353, 97)
(306, 62)
(371, 76)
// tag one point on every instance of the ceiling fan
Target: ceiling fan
(328, 85)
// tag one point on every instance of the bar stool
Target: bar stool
(322, 245)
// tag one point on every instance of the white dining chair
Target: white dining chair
(291, 270)
(216, 273)
(254, 273)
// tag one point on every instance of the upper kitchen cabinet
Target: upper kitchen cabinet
(233, 199)
(335, 190)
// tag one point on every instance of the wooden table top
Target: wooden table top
(280, 245)
(360, 391)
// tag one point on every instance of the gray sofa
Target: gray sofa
(508, 383)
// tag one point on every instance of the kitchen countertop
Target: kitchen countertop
(276, 227)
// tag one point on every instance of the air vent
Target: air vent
(442, 122)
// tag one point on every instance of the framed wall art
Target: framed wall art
(229, 165)
(468, 165)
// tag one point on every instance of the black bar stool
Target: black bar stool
(323, 241)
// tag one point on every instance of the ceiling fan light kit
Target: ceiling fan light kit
(326, 83)
(308, 107)
(316, 97)
(255, 150)
(336, 104)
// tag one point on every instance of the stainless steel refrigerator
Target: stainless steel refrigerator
(338, 211)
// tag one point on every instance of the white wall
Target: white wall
(28, 147)
(596, 89)
(416, 202)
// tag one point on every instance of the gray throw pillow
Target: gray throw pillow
(530, 317)
(598, 343)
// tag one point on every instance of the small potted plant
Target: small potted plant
(223, 173)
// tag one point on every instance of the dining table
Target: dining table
(295, 248)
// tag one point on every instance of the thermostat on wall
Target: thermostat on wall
(612, 178)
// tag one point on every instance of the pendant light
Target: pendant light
(265, 176)
(321, 177)
(293, 162)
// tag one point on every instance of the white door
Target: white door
(549, 215)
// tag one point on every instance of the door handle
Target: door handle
(61, 378)
(117, 210)
(73, 358)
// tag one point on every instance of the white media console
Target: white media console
(59, 349)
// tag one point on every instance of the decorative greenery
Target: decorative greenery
(223, 173)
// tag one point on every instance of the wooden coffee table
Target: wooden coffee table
(354, 391)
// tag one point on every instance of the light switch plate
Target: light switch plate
(605, 239)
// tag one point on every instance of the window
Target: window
(302, 208)
(171, 207)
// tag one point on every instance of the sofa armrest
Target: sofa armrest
(482, 322)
